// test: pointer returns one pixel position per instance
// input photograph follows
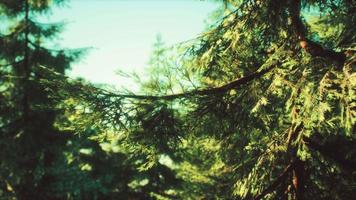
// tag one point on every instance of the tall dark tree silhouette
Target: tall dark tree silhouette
(31, 146)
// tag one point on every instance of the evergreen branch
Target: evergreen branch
(216, 26)
(12, 64)
(276, 182)
(327, 152)
(50, 49)
(311, 47)
(198, 92)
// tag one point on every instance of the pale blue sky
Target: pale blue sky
(122, 32)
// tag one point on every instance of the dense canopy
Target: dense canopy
(260, 106)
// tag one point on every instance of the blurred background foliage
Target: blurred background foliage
(260, 106)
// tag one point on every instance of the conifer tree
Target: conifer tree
(268, 114)
(41, 156)
(31, 146)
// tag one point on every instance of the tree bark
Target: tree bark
(299, 179)
(26, 66)
(311, 47)
(276, 182)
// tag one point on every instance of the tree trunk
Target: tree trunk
(26, 67)
(299, 180)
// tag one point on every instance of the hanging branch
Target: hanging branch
(313, 48)
(12, 64)
(198, 92)
(326, 151)
(201, 92)
(276, 182)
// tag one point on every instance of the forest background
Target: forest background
(259, 106)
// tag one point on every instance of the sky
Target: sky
(121, 33)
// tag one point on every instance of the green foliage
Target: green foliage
(261, 106)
